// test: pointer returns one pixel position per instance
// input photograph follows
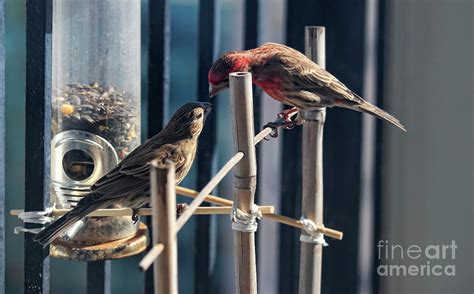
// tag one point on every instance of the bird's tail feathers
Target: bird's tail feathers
(58, 227)
(369, 108)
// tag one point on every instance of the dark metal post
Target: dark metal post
(291, 179)
(205, 235)
(158, 81)
(343, 142)
(251, 24)
(158, 64)
(379, 136)
(2, 146)
(99, 277)
(38, 137)
(251, 41)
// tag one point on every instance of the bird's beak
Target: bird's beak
(214, 90)
(207, 108)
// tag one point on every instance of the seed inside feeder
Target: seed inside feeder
(67, 109)
(98, 109)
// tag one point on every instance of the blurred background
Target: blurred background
(411, 57)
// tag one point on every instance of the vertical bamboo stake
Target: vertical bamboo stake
(312, 203)
(163, 202)
(245, 177)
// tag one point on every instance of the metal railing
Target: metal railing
(38, 92)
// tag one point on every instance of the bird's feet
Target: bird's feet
(135, 215)
(284, 121)
(180, 208)
(279, 123)
(287, 114)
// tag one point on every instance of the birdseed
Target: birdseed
(101, 110)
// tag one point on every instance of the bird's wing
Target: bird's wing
(309, 76)
(133, 173)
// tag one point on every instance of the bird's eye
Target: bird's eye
(199, 115)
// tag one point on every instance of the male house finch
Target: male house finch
(291, 78)
(128, 184)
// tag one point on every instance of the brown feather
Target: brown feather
(289, 76)
(128, 184)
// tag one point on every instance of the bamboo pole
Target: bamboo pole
(209, 198)
(312, 198)
(163, 202)
(151, 256)
(267, 209)
(245, 174)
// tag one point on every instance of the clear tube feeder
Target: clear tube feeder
(95, 115)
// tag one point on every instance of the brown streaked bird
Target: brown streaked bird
(128, 184)
(290, 77)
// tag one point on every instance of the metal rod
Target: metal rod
(99, 277)
(163, 203)
(206, 159)
(251, 24)
(367, 210)
(245, 179)
(158, 64)
(378, 171)
(37, 135)
(158, 82)
(290, 166)
(2, 145)
(312, 198)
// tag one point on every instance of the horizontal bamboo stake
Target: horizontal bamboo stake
(271, 216)
(267, 212)
(147, 211)
(151, 256)
(267, 131)
(209, 198)
(263, 133)
(297, 224)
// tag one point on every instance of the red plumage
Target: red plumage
(291, 78)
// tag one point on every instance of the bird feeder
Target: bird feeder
(95, 112)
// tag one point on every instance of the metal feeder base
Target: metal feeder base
(111, 250)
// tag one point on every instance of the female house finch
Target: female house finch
(128, 184)
(291, 78)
